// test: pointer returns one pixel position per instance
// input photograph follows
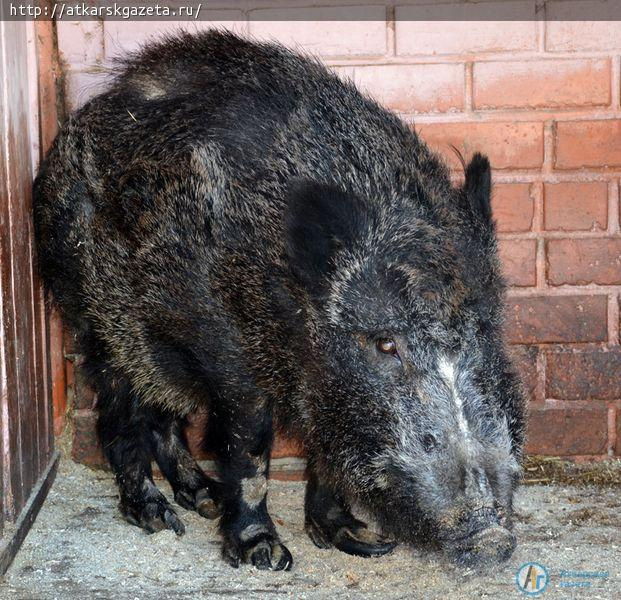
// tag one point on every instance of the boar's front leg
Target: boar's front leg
(329, 522)
(243, 450)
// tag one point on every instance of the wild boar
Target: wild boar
(231, 227)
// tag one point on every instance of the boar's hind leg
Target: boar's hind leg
(126, 434)
(192, 488)
(329, 522)
(243, 446)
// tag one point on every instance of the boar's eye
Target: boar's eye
(429, 442)
(387, 346)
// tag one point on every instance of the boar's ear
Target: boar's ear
(478, 185)
(319, 221)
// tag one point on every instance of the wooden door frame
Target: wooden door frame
(46, 346)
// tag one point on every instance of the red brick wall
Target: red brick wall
(543, 101)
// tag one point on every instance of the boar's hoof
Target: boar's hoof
(199, 500)
(361, 541)
(153, 516)
(354, 539)
(266, 554)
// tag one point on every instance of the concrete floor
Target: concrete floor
(80, 548)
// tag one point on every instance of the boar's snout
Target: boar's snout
(486, 541)
(489, 546)
(481, 519)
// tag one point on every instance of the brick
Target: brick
(326, 31)
(285, 447)
(436, 28)
(414, 88)
(519, 261)
(578, 25)
(552, 319)
(513, 207)
(525, 360)
(344, 72)
(69, 339)
(81, 86)
(83, 396)
(618, 432)
(588, 144)
(584, 261)
(85, 448)
(508, 145)
(576, 206)
(121, 37)
(288, 475)
(282, 447)
(80, 43)
(194, 432)
(542, 84)
(567, 431)
(583, 375)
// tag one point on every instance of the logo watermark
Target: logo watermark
(532, 578)
(580, 579)
(107, 9)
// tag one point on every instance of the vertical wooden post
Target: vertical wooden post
(26, 438)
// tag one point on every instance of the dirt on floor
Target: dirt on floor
(550, 469)
(80, 548)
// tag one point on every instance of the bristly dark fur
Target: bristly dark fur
(232, 226)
